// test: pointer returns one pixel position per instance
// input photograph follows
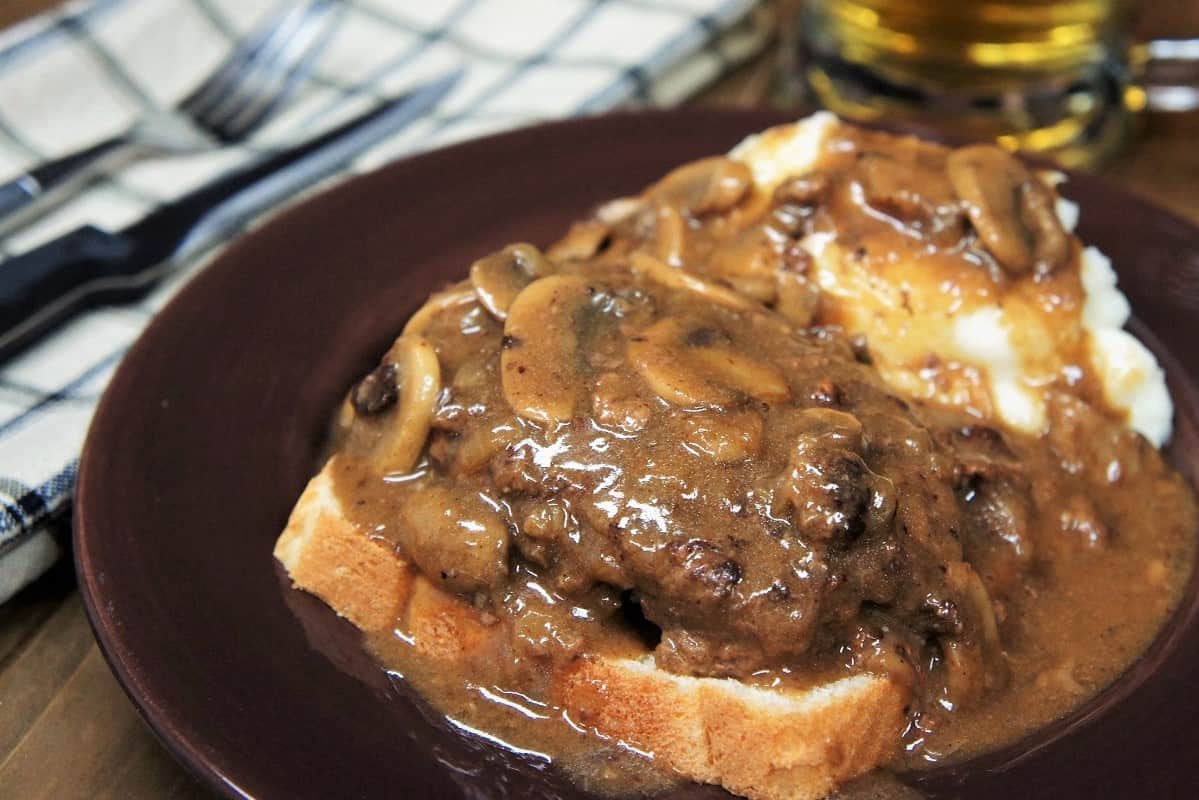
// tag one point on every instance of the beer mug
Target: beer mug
(1061, 78)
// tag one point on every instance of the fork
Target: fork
(233, 102)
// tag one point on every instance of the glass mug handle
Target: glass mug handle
(1165, 75)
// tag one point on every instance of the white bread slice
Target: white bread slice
(760, 743)
(363, 580)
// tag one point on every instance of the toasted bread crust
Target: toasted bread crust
(761, 743)
(647, 708)
(361, 579)
(444, 627)
(805, 746)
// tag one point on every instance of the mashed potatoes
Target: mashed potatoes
(953, 335)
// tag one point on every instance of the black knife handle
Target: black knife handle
(46, 286)
(17, 194)
(38, 191)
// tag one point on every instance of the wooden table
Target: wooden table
(67, 729)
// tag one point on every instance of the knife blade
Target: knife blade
(88, 266)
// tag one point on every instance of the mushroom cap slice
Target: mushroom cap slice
(541, 367)
(583, 240)
(987, 179)
(695, 366)
(498, 278)
(797, 299)
(674, 278)
(971, 671)
(1010, 208)
(709, 185)
(418, 378)
(619, 210)
(747, 260)
(670, 233)
(458, 295)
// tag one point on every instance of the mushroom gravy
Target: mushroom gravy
(657, 437)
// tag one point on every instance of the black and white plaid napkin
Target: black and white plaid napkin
(84, 73)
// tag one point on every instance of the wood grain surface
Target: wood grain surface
(67, 729)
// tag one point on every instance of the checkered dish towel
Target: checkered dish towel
(74, 77)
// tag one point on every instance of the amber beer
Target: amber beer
(1042, 75)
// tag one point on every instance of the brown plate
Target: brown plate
(213, 423)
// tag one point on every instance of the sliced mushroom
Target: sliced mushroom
(707, 186)
(584, 240)
(808, 190)
(669, 234)
(747, 261)
(798, 299)
(964, 670)
(541, 365)
(795, 203)
(914, 193)
(1038, 208)
(619, 210)
(1011, 209)
(460, 294)
(670, 277)
(658, 355)
(501, 276)
(985, 667)
(657, 228)
(696, 366)
(418, 381)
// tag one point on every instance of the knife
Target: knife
(87, 267)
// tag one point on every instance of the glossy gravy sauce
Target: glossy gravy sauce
(657, 437)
